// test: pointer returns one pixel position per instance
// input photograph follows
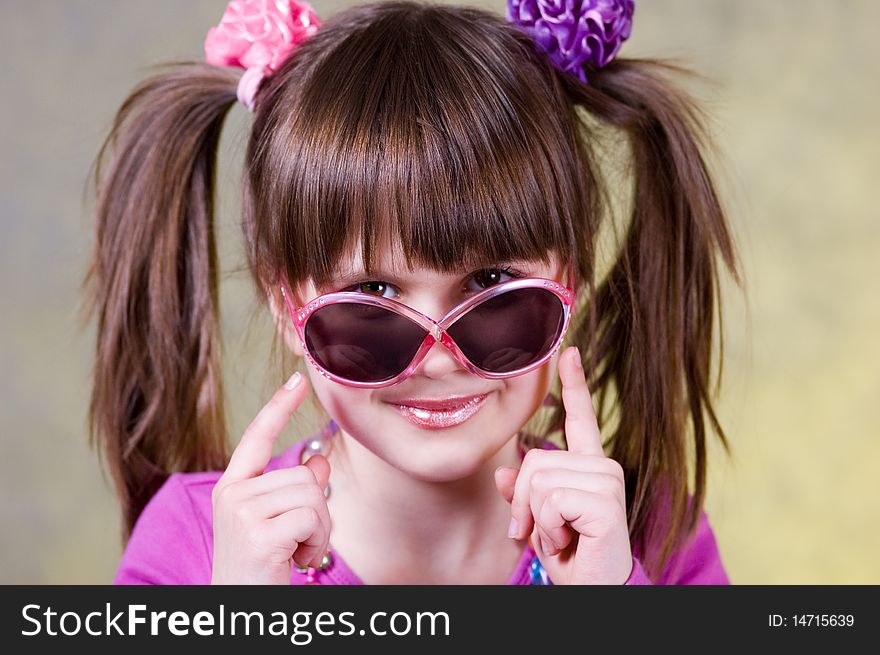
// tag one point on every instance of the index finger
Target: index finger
(581, 426)
(253, 452)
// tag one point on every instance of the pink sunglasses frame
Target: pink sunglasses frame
(436, 330)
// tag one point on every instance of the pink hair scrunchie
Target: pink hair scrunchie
(258, 35)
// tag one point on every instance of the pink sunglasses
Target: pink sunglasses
(361, 340)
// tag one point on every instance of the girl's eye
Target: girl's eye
(373, 288)
(489, 277)
(479, 281)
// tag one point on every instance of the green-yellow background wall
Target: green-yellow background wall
(795, 100)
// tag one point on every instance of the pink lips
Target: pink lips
(440, 414)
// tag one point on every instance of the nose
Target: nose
(438, 361)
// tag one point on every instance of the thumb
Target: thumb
(505, 481)
(320, 467)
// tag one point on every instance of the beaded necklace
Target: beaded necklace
(321, 445)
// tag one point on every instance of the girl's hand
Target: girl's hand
(572, 501)
(265, 521)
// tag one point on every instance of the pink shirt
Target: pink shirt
(172, 541)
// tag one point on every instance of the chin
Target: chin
(431, 466)
(443, 455)
(431, 453)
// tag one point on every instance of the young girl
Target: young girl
(416, 174)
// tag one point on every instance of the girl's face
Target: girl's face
(370, 416)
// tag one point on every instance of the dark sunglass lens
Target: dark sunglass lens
(510, 331)
(361, 342)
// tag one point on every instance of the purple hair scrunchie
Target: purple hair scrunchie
(574, 32)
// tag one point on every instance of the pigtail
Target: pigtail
(157, 402)
(650, 321)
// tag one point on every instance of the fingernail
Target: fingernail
(513, 528)
(546, 548)
(294, 380)
(577, 359)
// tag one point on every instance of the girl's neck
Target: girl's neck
(391, 528)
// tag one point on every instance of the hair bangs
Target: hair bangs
(405, 136)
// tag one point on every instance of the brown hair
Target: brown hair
(442, 128)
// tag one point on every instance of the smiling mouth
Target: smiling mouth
(440, 414)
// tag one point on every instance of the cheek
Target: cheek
(294, 344)
(344, 404)
(524, 395)
(331, 400)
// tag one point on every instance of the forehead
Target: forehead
(390, 262)
(390, 265)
